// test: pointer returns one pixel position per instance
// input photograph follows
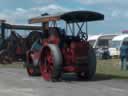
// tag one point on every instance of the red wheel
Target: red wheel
(51, 61)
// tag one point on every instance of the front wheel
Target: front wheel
(51, 63)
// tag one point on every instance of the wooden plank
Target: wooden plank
(43, 19)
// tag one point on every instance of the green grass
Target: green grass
(105, 69)
(111, 68)
(13, 65)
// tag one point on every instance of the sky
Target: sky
(115, 12)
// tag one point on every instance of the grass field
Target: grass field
(111, 68)
(13, 65)
(105, 68)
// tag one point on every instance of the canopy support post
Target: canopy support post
(87, 29)
(3, 30)
(73, 27)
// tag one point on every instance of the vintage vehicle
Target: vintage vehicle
(11, 40)
(63, 50)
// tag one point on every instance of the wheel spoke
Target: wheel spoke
(50, 68)
(49, 58)
(47, 65)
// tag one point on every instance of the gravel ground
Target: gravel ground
(16, 82)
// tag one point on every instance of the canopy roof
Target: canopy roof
(70, 17)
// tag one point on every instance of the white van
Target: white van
(101, 41)
(117, 42)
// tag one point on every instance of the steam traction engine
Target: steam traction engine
(63, 50)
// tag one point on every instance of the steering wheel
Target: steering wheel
(82, 35)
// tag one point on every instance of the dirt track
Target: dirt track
(15, 82)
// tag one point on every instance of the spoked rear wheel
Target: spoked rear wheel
(51, 63)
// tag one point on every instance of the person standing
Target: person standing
(124, 55)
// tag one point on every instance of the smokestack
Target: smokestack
(45, 24)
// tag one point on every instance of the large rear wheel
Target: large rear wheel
(51, 63)
(91, 64)
(90, 71)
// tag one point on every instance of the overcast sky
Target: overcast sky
(115, 11)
